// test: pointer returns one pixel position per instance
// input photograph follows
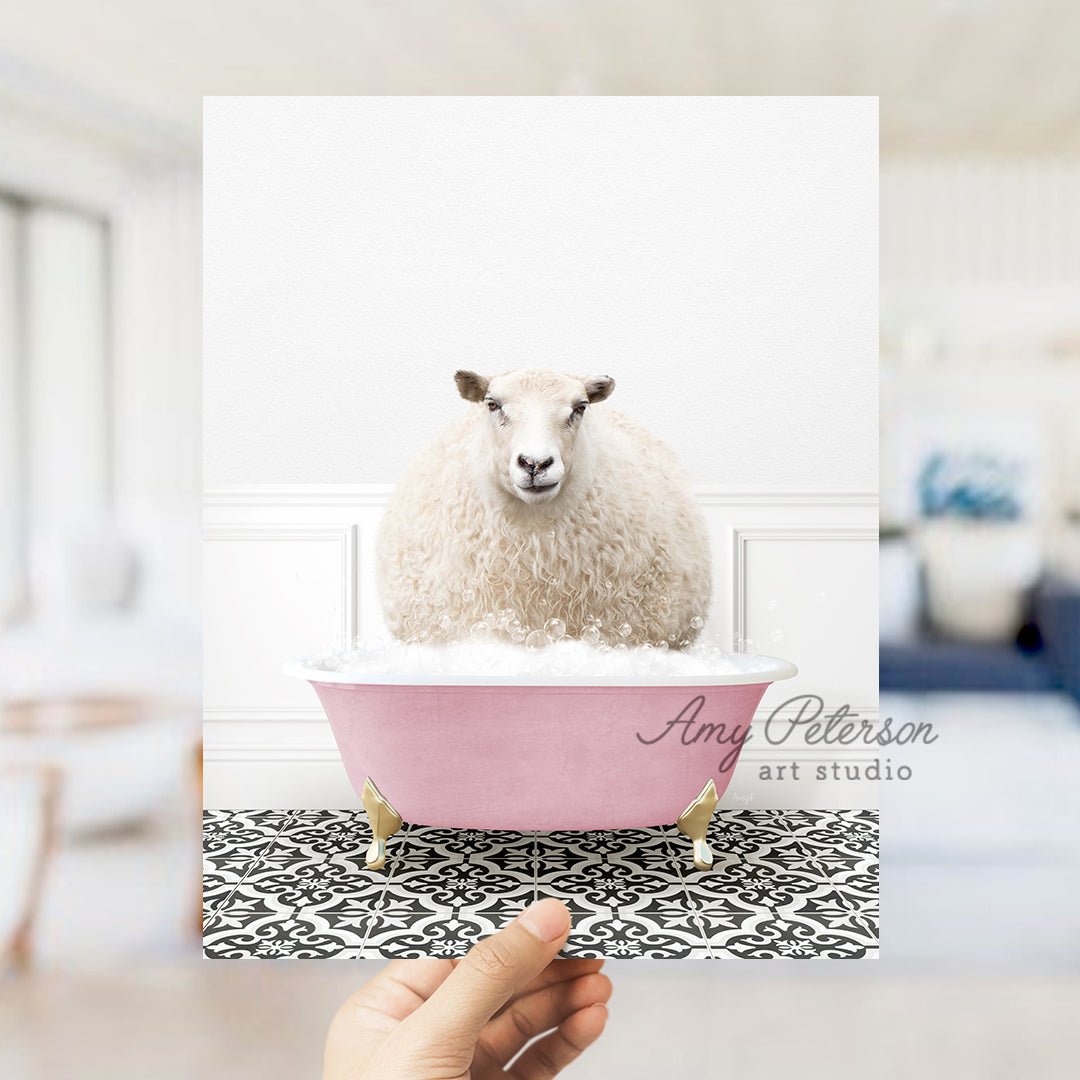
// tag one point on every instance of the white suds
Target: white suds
(557, 659)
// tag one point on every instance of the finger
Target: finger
(558, 971)
(529, 1016)
(398, 990)
(420, 978)
(492, 972)
(367, 1016)
(548, 1056)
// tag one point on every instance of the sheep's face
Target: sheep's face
(534, 419)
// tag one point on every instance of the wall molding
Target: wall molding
(347, 537)
(277, 496)
(269, 714)
(273, 530)
(295, 754)
(362, 496)
(267, 742)
(275, 714)
(759, 497)
(743, 535)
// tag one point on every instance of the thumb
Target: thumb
(492, 972)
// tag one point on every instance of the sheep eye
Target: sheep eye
(493, 406)
(580, 408)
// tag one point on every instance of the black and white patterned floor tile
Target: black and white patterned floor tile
(798, 884)
(625, 892)
(469, 882)
(232, 842)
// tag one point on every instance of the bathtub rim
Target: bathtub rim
(783, 669)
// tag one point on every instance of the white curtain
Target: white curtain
(55, 383)
(11, 518)
(67, 382)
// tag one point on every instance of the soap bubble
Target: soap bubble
(518, 633)
(777, 636)
(445, 622)
(697, 622)
(625, 630)
(590, 635)
(556, 628)
(622, 647)
(772, 605)
(480, 631)
(662, 646)
(749, 645)
(537, 639)
(609, 584)
(469, 595)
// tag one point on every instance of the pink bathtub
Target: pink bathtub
(512, 752)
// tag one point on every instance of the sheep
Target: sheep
(541, 503)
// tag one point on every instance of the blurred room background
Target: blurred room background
(99, 518)
(980, 546)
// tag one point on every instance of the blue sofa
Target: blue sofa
(1045, 656)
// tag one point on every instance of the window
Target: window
(56, 386)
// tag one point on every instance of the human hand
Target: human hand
(465, 1019)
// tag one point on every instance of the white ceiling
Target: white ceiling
(954, 76)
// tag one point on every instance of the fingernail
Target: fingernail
(547, 919)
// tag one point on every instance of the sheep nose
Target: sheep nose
(533, 465)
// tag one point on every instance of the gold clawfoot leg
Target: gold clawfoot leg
(694, 822)
(385, 821)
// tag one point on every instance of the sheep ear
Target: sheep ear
(599, 387)
(471, 387)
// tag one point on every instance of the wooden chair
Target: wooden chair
(33, 793)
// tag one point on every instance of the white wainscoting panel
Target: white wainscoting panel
(290, 568)
(272, 591)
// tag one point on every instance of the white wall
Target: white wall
(717, 256)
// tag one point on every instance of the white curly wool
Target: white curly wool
(620, 553)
